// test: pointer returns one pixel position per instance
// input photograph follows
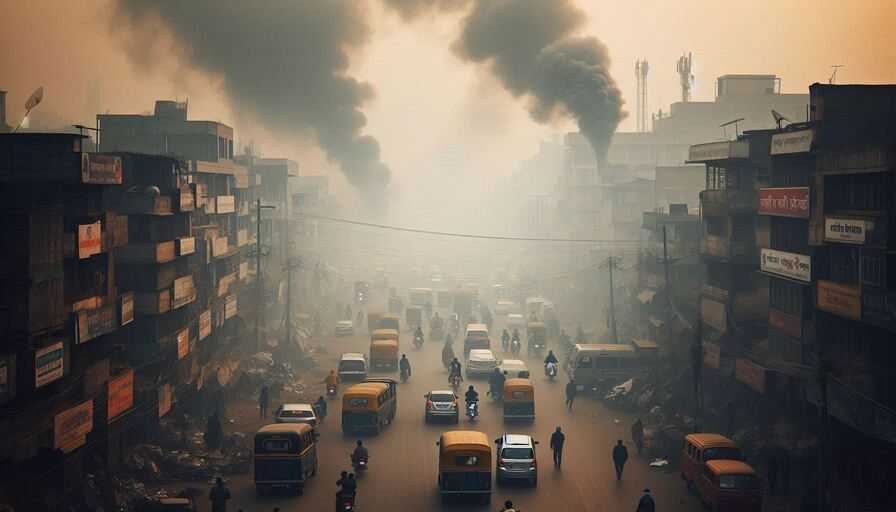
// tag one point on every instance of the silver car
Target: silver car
(481, 362)
(516, 459)
(352, 366)
(514, 368)
(441, 404)
(296, 413)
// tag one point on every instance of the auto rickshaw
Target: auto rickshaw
(536, 338)
(414, 317)
(519, 399)
(384, 354)
(384, 334)
(465, 465)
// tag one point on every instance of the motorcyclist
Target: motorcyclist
(427, 308)
(516, 335)
(404, 365)
(551, 358)
(321, 407)
(471, 395)
(496, 383)
(332, 379)
(454, 370)
(508, 507)
(505, 340)
(580, 334)
(360, 453)
(418, 334)
(436, 322)
(447, 353)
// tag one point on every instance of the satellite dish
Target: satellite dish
(34, 100)
(780, 118)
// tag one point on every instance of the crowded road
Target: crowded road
(403, 458)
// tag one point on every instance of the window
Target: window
(584, 362)
(519, 395)
(872, 191)
(738, 482)
(790, 235)
(517, 453)
(716, 226)
(726, 452)
(276, 445)
(358, 402)
(466, 460)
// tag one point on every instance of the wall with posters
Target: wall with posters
(90, 239)
(121, 394)
(70, 427)
(49, 364)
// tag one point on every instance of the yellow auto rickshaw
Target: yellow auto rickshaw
(285, 456)
(369, 406)
(519, 399)
(465, 465)
(384, 334)
(536, 338)
(384, 355)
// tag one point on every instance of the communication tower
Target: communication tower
(687, 79)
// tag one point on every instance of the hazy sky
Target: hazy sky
(77, 53)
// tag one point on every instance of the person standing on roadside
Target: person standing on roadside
(264, 400)
(620, 456)
(646, 503)
(557, 440)
(638, 435)
(571, 390)
(219, 496)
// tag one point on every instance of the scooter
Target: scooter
(360, 464)
(418, 341)
(550, 370)
(345, 502)
(455, 381)
(472, 410)
(515, 347)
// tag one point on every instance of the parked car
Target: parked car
(515, 459)
(352, 366)
(480, 362)
(514, 368)
(296, 413)
(345, 328)
(441, 404)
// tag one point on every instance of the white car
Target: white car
(504, 307)
(516, 321)
(480, 362)
(296, 413)
(345, 328)
(441, 404)
(514, 368)
(352, 366)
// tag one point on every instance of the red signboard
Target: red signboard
(121, 394)
(784, 202)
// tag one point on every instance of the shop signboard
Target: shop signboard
(127, 308)
(751, 374)
(244, 270)
(185, 201)
(786, 264)
(225, 204)
(848, 231)
(93, 323)
(70, 427)
(205, 324)
(242, 237)
(184, 293)
(186, 245)
(230, 307)
(98, 169)
(121, 394)
(785, 322)
(90, 239)
(784, 202)
(839, 299)
(164, 399)
(712, 354)
(225, 281)
(792, 142)
(49, 364)
(713, 314)
(183, 343)
(219, 246)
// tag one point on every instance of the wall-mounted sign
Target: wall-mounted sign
(186, 246)
(164, 399)
(7, 377)
(121, 394)
(93, 323)
(70, 427)
(49, 364)
(90, 239)
(784, 202)
(205, 324)
(225, 281)
(718, 151)
(127, 308)
(244, 270)
(750, 373)
(786, 264)
(785, 322)
(242, 237)
(183, 343)
(839, 299)
(225, 204)
(712, 355)
(185, 201)
(230, 308)
(100, 169)
(713, 314)
(219, 246)
(792, 142)
(848, 231)
(184, 292)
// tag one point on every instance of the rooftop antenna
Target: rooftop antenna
(835, 67)
(685, 63)
(724, 127)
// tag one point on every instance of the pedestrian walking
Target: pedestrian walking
(571, 390)
(620, 456)
(638, 435)
(219, 496)
(264, 400)
(646, 503)
(557, 440)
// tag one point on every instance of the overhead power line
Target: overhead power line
(471, 235)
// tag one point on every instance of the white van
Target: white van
(595, 366)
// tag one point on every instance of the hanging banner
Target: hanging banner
(127, 308)
(121, 394)
(90, 239)
(98, 169)
(184, 291)
(49, 364)
(784, 202)
(848, 231)
(70, 427)
(164, 399)
(205, 324)
(786, 264)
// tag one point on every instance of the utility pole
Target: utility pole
(697, 364)
(666, 268)
(259, 276)
(292, 264)
(612, 261)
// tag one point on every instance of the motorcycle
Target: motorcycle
(550, 370)
(455, 381)
(418, 341)
(515, 347)
(331, 391)
(360, 464)
(472, 410)
(345, 502)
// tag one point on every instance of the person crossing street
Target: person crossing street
(558, 438)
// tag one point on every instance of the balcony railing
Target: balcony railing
(727, 201)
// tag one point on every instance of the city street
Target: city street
(403, 466)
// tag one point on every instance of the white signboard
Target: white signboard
(786, 264)
(792, 142)
(850, 231)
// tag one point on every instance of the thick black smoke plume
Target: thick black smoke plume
(531, 48)
(287, 62)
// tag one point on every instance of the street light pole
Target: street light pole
(612, 261)
(259, 276)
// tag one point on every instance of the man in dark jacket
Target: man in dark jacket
(219, 496)
(620, 455)
(646, 504)
(638, 435)
(264, 401)
(557, 440)
(571, 391)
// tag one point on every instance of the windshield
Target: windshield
(724, 453)
(296, 414)
(351, 366)
(517, 453)
(738, 482)
(439, 397)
